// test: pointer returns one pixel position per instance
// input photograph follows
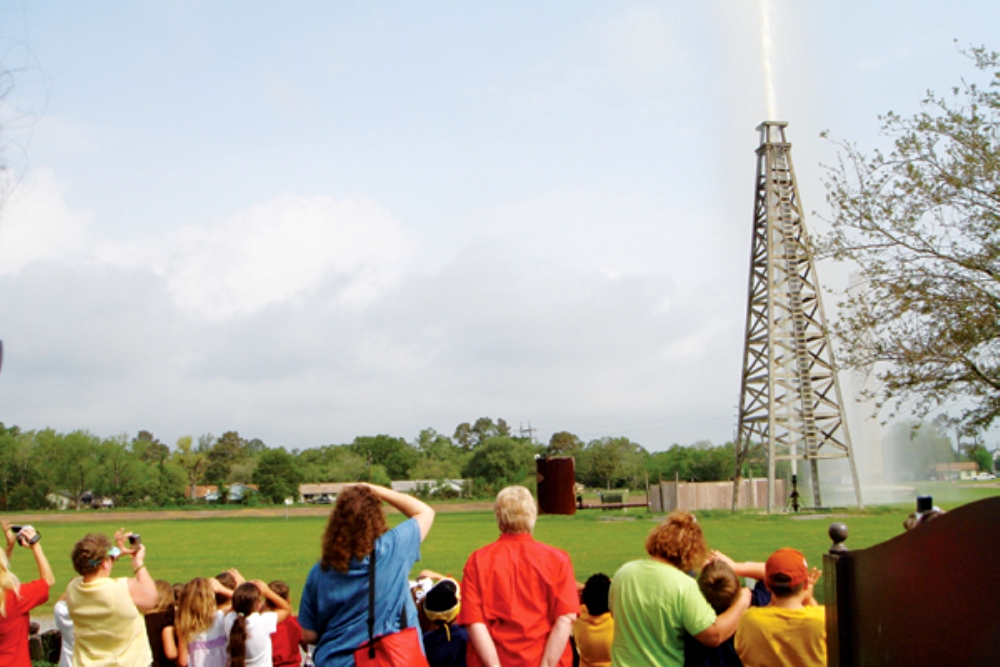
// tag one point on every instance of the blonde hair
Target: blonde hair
(196, 609)
(515, 510)
(8, 582)
(164, 596)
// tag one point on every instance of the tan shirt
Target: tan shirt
(108, 628)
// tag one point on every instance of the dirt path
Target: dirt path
(126, 515)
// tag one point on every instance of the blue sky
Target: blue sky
(309, 221)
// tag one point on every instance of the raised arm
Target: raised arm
(282, 607)
(142, 588)
(44, 569)
(749, 568)
(11, 539)
(411, 507)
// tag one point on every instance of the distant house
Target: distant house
(963, 470)
(210, 492)
(432, 485)
(323, 494)
(203, 492)
(95, 501)
(61, 500)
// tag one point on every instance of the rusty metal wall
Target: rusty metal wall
(556, 477)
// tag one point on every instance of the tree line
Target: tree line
(143, 471)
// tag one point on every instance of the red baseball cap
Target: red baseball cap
(786, 567)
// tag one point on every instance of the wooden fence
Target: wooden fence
(691, 496)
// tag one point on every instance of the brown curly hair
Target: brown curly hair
(355, 523)
(90, 552)
(679, 541)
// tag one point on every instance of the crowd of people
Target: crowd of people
(517, 603)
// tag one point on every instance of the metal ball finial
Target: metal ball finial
(838, 533)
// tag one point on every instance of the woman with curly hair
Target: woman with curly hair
(654, 601)
(334, 608)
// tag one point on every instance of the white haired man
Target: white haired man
(519, 596)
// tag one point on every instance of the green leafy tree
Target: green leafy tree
(71, 460)
(982, 457)
(500, 461)
(120, 473)
(25, 480)
(192, 461)
(469, 436)
(922, 225)
(395, 455)
(564, 443)
(277, 475)
(612, 462)
(440, 458)
(228, 454)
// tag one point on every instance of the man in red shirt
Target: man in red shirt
(519, 596)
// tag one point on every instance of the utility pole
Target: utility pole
(530, 431)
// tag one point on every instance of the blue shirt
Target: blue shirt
(335, 604)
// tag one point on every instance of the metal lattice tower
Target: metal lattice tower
(790, 400)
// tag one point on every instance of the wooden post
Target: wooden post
(838, 605)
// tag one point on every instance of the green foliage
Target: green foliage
(702, 462)
(982, 457)
(612, 462)
(921, 224)
(440, 458)
(395, 455)
(469, 436)
(192, 461)
(500, 461)
(228, 454)
(277, 476)
(564, 443)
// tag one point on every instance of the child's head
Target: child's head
(595, 594)
(720, 585)
(195, 609)
(246, 600)
(786, 573)
(280, 589)
(177, 588)
(227, 580)
(443, 602)
(164, 595)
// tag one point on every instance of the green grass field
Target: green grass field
(279, 548)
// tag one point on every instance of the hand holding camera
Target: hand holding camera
(25, 535)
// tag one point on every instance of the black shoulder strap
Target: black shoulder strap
(371, 604)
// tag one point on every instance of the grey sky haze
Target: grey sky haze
(310, 221)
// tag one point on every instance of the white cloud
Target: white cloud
(273, 252)
(36, 224)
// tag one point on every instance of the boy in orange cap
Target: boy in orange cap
(792, 629)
